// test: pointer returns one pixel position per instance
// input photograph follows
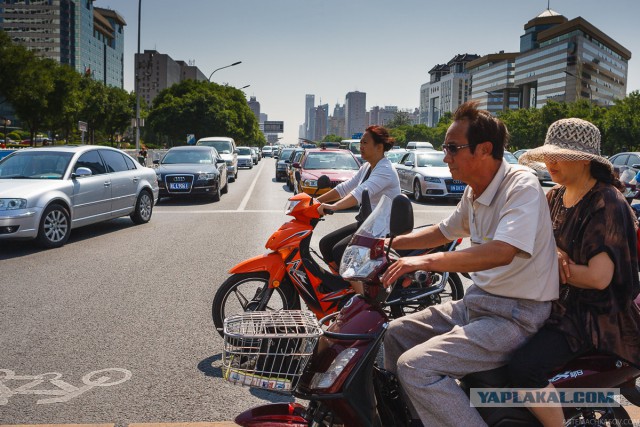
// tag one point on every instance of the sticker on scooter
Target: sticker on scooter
(566, 375)
(63, 391)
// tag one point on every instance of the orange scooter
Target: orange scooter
(274, 280)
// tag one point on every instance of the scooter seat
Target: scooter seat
(498, 377)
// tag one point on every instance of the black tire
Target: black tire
(289, 185)
(215, 196)
(144, 208)
(55, 227)
(597, 416)
(245, 292)
(453, 291)
(417, 191)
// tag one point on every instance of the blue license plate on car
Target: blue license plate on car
(178, 186)
(457, 188)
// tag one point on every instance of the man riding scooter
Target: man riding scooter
(512, 261)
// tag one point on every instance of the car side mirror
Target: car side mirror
(235, 151)
(408, 163)
(636, 166)
(218, 161)
(156, 162)
(81, 171)
(296, 165)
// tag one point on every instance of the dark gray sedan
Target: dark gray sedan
(192, 170)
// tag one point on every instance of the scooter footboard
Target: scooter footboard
(274, 415)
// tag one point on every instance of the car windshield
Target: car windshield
(35, 165)
(223, 147)
(510, 158)
(354, 147)
(266, 148)
(330, 160)
(187, 156)
(286, 154)
(244, 151)
(431, 159)
(395, 157)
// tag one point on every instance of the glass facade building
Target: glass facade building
(71, 32)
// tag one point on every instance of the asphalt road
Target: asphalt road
(115, 326)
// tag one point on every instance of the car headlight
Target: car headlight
(310, 183)
(326, 379)
(431, 179)
(206, 176)
(12, 204)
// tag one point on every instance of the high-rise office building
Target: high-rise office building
(91, 40)
(321, 122)
(449, 86)
(255, 107)
(355, 113)
(559, 59)
(157, 71)
(336, 121)
(309, 104)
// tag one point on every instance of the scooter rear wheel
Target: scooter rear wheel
(250, 292)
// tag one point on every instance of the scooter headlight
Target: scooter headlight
(357, 264)
(326, 379)
(290, 205)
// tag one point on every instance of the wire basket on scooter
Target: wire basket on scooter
(268, 349)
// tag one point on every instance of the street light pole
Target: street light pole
(137, 84)
(226, 66)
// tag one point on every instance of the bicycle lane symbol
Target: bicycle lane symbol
(65, 391)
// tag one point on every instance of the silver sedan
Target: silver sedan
(46, 192)
(425, 174)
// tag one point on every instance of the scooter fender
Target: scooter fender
(272, 263)
(273, 415)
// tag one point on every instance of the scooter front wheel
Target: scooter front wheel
(250, 292)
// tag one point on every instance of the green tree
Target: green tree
(204, 109)
(400, 118)
(332, 138)
(621, 125)
(118, 112)
(65, 101)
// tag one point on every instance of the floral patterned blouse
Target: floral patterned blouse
(608, 319)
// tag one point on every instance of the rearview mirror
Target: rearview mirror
(324, 182)
(81, 171)
(401, 218)
(296, 165)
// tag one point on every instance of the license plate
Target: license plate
(457, 188)
(178, 186)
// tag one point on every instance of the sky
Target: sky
(290, 48)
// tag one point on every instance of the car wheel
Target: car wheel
(417, 192)
(143, 209)
(55, 227)
(215, 196)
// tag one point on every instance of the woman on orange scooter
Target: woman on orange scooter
(377, 175)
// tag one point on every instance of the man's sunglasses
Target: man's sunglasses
(453, 148)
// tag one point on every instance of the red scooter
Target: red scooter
(342, 381)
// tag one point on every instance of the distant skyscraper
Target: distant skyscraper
(74, 33)
(355, 113)
(321, 122)
(309, 104)
(336, 122)
(157, 71)
(255, 107)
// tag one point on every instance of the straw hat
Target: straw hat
(568, 140)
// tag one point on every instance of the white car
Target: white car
(423, 173)
(46, 192)
(245, 159)
(226, 147)
(267, 151)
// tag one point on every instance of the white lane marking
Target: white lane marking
(156, 211)
(65, 390)
(253, 184)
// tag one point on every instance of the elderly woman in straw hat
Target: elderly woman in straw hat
(595, 233)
